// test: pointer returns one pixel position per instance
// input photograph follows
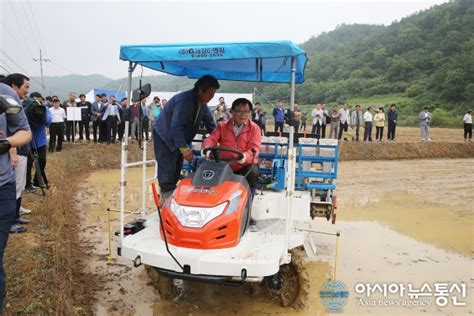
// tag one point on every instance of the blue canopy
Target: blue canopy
(265, 61)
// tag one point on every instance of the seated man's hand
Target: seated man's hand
(244, 158)
(207, 155)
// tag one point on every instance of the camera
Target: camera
(35, 111)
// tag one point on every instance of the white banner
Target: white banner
(74, 113)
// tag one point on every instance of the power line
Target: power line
(33, 81)
(16, 65)
(36, 24)
(7, 71)
(29, 24)
(13, 62)
(67, 71)
(21, 29)
(7, 65)
(35, 84)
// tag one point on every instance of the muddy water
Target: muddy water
(408, 221)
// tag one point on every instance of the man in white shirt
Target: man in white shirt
(368, 118)
(345, 120)
(56, 129)
(425, 120)
(468, 126)
(318, 116)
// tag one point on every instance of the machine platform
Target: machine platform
(258, 252)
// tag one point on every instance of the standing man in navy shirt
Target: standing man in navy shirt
(392, 122)
(176, 127)
(14, 132)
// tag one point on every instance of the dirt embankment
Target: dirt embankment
(409, 150)
(45, 265)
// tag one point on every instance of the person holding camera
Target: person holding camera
(39, 117)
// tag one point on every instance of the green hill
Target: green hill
(62, 85)
(424, 59)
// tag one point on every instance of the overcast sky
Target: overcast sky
(84, 37)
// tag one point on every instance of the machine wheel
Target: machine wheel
(162, 284)
(295, 278)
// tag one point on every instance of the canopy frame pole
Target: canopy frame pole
(290, 184)
(124, 158)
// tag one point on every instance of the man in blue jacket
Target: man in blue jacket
(39, 118)
(176, 127)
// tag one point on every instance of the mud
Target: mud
(400, 221)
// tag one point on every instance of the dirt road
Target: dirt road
(401, 221)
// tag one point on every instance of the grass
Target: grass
(45, 266)
(376, 101)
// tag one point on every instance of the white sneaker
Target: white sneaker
(422, 139)
(24, 211)
(429, 139)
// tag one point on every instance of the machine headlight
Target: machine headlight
(196, 217)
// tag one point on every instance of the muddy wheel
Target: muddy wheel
(162, 284)
(295, 290)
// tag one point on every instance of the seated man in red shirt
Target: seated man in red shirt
(242, 134)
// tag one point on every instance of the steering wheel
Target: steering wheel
(215, 150)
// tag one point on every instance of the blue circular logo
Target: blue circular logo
(334, 295)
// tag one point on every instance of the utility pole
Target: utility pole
(41, 66)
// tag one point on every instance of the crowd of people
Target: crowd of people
(105, 116)
(339, 120)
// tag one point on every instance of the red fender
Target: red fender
(156, 196)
